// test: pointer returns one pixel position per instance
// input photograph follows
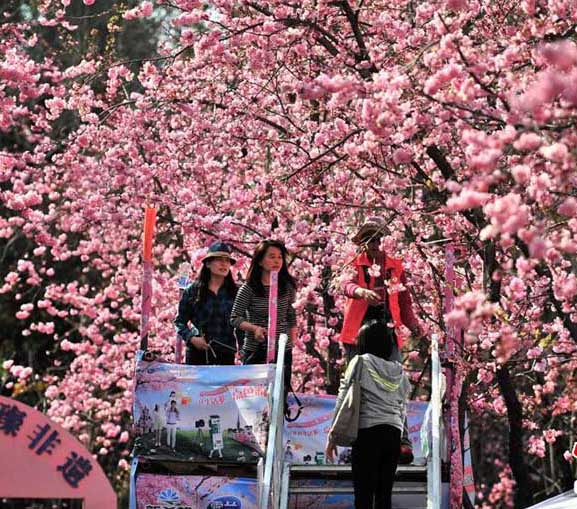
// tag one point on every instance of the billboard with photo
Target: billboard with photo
(305, 438)
(201, 413)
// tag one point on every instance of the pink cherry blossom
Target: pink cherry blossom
(568, 207)
(450, 119)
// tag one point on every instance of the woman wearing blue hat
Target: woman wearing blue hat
(206, 305)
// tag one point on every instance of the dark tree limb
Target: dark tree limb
(523, 491)
(363, 54)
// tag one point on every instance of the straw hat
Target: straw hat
(372, 227)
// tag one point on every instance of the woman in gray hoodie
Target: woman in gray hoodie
(384, 392)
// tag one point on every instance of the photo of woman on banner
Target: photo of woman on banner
(172, 418)
(250, 311)
(372, 294)
(380, 411)
(206, 305)
(158, 419)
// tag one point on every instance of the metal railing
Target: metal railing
(273, 470)
(270, 483)
(434, 452)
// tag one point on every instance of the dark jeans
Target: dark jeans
(374, 459)
(259, 357)
(216, 356)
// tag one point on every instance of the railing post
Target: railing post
(270, 489)
(182, 283)
(272, 317)
(434, 461)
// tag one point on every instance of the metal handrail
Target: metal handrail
(434, 456)
(269, 489)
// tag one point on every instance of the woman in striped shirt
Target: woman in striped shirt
(250, 308)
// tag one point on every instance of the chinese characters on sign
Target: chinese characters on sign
(11, 419)
(41, 444)
(44, 440)
(75, 469)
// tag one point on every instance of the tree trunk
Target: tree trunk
(523, 491)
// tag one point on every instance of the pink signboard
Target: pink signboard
(41, 460)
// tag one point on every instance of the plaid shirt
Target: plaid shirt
(211, 317)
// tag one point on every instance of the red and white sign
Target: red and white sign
(41, 460)
(574, 450)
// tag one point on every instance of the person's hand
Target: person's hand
(372, 297)
(330, 451)
(259, 333)
(199, 343)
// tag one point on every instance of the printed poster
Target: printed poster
(195, 492)
(305, 444)
(305, 438)
(201, 413)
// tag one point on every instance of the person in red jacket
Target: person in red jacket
(373, 294)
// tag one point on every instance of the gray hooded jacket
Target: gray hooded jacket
(384, 390)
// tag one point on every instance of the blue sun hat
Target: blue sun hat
(217, 250)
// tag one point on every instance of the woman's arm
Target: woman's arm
(185, 311)
(240, 307)
(190, 335)
(406, 305)
(258, 331)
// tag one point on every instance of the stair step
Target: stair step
(413, 473)
(398, 489)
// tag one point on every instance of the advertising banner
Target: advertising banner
(415, 415)
(329, 501)
(305, 438)
(201, 413)
(305, 444)
(195, 492)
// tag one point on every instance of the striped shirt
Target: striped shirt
(253, 308)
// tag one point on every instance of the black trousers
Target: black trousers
(374, 459)
(259, 357)
(220, 357)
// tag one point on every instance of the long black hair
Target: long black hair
(375, 337)
(254, 274)
(203, 280)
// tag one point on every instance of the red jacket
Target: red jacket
(400, 304)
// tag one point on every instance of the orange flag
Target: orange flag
(149, 221)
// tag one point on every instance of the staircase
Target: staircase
(302, 484)
(285, 485)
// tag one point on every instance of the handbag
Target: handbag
(345, 426)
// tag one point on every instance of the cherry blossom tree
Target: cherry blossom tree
(454, 119)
